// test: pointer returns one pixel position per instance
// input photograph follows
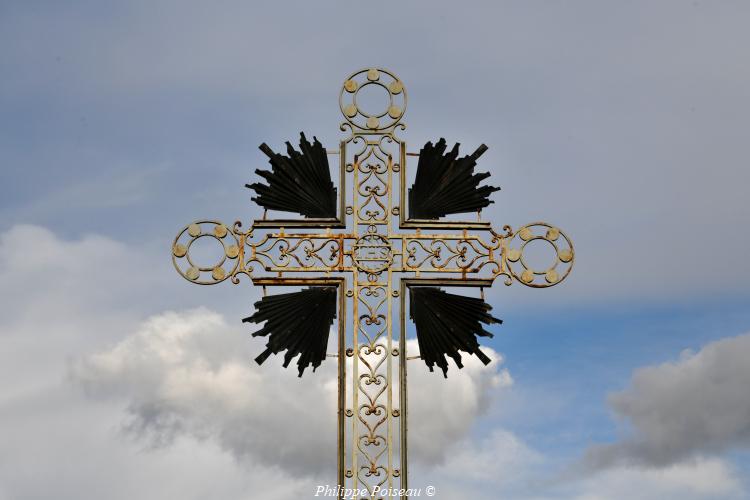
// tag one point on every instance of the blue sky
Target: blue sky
(626, 123)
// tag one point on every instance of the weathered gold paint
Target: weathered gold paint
(474, 255)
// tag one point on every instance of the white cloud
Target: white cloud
(696, 405)
(191, 374)
(182, 383)
(446, 409)
(72, 280)
(691, 480)
(500, 465)
(496, 464)
(185, 384)
(65, 298)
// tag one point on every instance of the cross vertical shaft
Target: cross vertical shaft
(376, 459)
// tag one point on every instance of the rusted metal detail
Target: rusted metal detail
(388, 240)
(446, 324)
(300, 182)
(446, 184)
(298, 323)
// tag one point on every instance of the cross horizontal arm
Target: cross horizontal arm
(465, 254)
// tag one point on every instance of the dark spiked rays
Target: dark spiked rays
(446, 184)
(300, 182)
(299, 322)
(448, 323)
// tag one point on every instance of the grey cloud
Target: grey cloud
(64, 298)
(698, 479)
(183, 384)
(695, 406)
(189, 374)
(625, 124)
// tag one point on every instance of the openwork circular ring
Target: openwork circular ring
(372, 254)
(373, 120)
(517, 264)
(227, 260)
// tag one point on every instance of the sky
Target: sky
(625, 123)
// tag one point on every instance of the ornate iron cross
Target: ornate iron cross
(357, 240)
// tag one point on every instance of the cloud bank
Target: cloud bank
(695, 406)
(189, 373)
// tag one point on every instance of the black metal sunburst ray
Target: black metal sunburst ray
(446, 324)
(300, 182)
(298, 322)
(446, 184)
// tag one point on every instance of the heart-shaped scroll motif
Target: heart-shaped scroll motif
(372, 414)
(369, 472)
(372, 448)
(372, 356)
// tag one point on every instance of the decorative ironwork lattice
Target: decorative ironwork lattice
(356, 267)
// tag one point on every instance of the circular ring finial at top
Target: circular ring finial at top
(228, 251)
(376, 120)
(543, 233)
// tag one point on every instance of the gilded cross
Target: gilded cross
(348, 247)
